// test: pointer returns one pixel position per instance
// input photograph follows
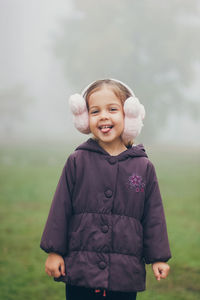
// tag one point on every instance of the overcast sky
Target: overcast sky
(27, 29)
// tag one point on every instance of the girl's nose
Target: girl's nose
(104, 115)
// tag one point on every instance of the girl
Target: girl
(106, 220)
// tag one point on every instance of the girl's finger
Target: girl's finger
(157, 273)
(165, 273)
(49, 273)
(56, 274)
(47, 270)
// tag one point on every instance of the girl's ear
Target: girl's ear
(80, 113)
(134, 113)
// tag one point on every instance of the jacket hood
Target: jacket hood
(93, 146)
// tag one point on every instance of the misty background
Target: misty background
(50, 49)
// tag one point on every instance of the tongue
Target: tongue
(105, 130)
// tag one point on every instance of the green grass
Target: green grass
(28, 179)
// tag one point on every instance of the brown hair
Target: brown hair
(119, 89)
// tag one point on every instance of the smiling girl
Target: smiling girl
(106, 220)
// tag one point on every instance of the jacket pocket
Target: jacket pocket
(74, 241)
(127, 236)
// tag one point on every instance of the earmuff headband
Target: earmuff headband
(89, 85)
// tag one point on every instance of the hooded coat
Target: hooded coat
(107, 219)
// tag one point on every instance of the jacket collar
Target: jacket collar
(93, 146)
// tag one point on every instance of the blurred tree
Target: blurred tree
(151, 45)
(13, 102)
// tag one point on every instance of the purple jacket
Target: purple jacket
(107, 219)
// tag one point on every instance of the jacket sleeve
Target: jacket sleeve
(155, 238)
(54, 237)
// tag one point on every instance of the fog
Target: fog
(34, 85)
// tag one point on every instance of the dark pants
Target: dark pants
(82, 293)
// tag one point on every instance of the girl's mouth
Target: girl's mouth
(105, 128)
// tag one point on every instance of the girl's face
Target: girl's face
(106, 116)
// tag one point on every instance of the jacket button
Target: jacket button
(108, 193)
(112, 160)
(102, 265)
(104, 228)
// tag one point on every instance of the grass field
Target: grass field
(28, 178)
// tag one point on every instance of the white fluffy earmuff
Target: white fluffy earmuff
(134, 115)
(133, 110)
(80, 113)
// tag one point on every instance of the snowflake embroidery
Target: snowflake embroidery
(135, 182)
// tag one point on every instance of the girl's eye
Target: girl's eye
(93, 112)
(113, 109)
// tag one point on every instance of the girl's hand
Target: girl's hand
(54, 265)
(161, 270)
